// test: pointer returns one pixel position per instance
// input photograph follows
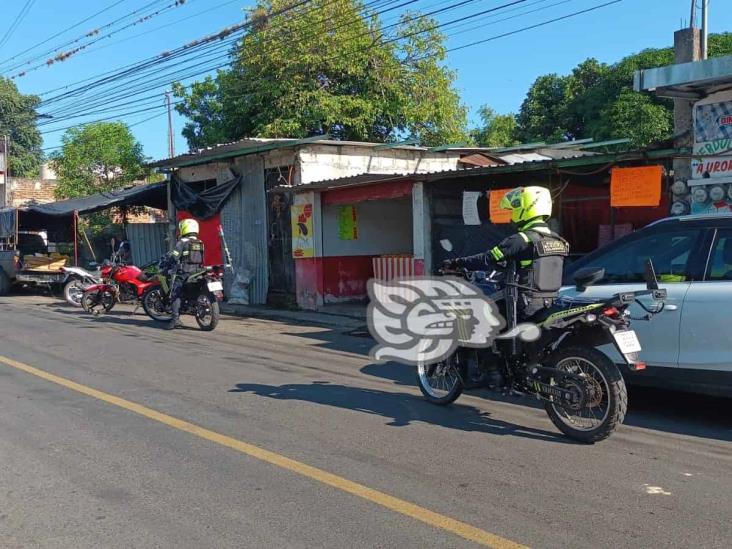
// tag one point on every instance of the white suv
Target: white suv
(688, 346)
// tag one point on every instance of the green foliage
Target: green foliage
(496, 130)
(324, 67)
(18, 119)
(597, 100)
(97, 157)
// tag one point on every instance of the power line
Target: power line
(75, 25)
(16, 22)
(95, 37)
(530, 27)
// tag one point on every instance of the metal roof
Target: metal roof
(693, 80)
(530, 166)
(246, 147)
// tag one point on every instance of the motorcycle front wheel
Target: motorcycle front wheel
(605, 397)
(155, 305)
(207, 312)
(97, 302)
(442, 382)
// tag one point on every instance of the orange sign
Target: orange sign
(498, 215)
(636, 186)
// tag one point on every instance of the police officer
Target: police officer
(187, 258)
(538, 252)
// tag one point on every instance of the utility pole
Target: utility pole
(705, 29)
(6, 168)
(171, 140)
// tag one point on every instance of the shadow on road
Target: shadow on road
(656, 409)
(400, 408)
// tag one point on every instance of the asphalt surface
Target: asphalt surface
(81, 471)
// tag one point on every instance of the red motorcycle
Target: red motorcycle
(121, 283)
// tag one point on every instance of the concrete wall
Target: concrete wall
(319, 162)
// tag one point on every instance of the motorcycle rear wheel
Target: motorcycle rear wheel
(96, 304)
(207, 312)
(607, 397)
(154, 303)
(441, 383)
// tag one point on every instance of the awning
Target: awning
(153, 195)
(693, 80)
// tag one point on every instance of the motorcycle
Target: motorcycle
(121, 283)
(77, 280)
(582, 390)
(202, 291)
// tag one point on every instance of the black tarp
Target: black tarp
(153, 195)
(203, 205)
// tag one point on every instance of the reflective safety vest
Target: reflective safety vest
(189, 253)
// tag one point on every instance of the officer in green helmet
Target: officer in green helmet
(186, 258)
(538, 252)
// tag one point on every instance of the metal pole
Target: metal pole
(692, 18)
(705, 30)
(171, 140)
(6, 179)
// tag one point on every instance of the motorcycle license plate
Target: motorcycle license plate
(627, 341)
(215, 286)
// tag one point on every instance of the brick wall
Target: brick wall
(23, 191)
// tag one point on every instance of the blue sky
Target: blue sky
(497, 73)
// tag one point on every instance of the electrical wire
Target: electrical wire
(16, 22)
(67, 29)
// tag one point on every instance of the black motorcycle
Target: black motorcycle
(202, 291)
(582, 389)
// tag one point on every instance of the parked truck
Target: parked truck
(25, 260)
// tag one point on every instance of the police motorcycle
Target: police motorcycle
(553, 355)
(202, 292)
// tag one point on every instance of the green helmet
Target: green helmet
(527, 203)
(188, 227)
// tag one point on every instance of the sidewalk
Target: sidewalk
(342, 318)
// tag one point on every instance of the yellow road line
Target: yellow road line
(401, 506)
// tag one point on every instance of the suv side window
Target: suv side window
(670, 251)
(720, 262)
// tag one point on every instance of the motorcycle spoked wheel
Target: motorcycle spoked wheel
(155, 305)
(442, 382)
(98, 302)
(73, 292)
(604, 399)
(207, 312)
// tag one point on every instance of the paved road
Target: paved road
(215, 440)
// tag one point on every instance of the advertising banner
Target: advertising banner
(303, 244)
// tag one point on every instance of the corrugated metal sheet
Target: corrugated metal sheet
(244, 219)
(147, 241)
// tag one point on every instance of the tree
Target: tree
(325, 67)
(597, 100)
(97, 157)
(18, 119)
(496, 130)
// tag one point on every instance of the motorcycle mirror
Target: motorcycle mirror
(446, 245)
(650, 276)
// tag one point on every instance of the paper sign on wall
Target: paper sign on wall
(470, 207)
(497, 214)
(636, 186)
(348, 223)
(302, 230)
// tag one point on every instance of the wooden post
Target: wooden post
(76, 238)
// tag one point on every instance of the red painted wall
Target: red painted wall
(210, 236)
(309, 282)
(379, 191)
(346, 276)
